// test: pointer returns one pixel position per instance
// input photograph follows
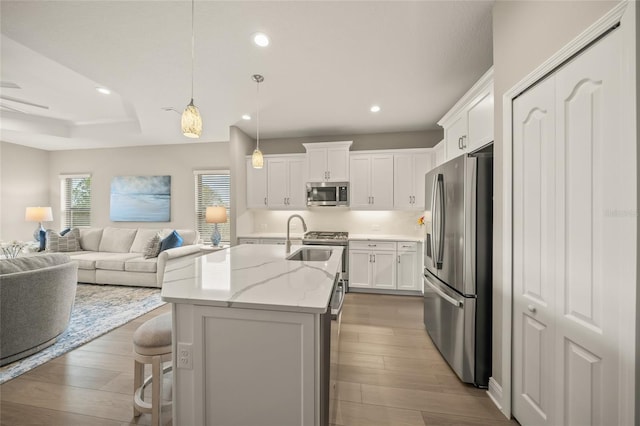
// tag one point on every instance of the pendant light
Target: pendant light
(191, 120)
(257, 161)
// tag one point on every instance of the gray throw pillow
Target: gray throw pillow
(152, 249)
(58, 243)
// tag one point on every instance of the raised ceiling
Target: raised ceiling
(327, 63)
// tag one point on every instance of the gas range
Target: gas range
(336, 238)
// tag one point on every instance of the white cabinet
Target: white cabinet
(372, 264)
(371, 181)
(407, 256)
(438, 154)
(286, 182)
(248, 241)
(256, 186)
(328, 161)
(408, 179)
(469, 124)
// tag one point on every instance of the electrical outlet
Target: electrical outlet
(185, 356)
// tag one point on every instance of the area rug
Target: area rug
(97, 310)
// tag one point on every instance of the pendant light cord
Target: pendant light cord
(258, 115)
(193, 43)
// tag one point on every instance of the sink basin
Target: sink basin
(311, 255)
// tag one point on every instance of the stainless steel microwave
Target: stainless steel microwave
(328, 194)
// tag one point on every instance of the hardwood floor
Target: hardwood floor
(388, 373)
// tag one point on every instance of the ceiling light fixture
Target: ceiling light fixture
(257, 161)
(261, 39)
(246, 117)
(191, 120)
(375, 108)
(103, 90)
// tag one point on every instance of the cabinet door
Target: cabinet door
(359, 268)
(407, 277)
(296, 199)
(382, 181)
(403, 181)
(248, 241)
(317, 164)
(454, 133)
(383, 270)
(422, 163)
(277, 183)
(359, 171)
(256, 186)
(480, 121)
(439, 154)
(338, 164)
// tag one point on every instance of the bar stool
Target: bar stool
(152, 345)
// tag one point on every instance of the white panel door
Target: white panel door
(383, 272)
(594, 248)
(338, 164)
(359, 268)
(256, 186)
(359, 172)
(403, 185)
(277, 183)
(382, 181)
(407, 277)
(533, 255)
(480, 121)
(297, 198)
(422, 163)
(454, 133)
(574, 256)
(317, 164)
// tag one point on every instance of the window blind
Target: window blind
(212, 189)
(75, 200)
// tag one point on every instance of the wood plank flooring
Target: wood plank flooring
(388, 373)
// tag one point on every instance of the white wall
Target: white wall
(178, 161)
(339, 219)
(525, 34)
(24, 173)
(240, 145)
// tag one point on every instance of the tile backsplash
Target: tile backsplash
(337, 219)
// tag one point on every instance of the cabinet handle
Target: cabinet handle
(398, 259)
(372, 245)
(373, 200)
(265, 201)
(329, 174)
(370, 259)
(532, 309)
(374, 258)
(464, 145)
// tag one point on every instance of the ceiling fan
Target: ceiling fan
(6, 98)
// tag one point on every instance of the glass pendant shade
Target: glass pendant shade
(257, 161)
(191, 121)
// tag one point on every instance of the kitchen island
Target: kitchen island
(251, 335)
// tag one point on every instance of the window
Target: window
(212, 189)
(75, 200)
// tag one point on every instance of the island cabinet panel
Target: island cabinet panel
(253, 367)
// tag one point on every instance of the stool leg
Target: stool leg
(138, 376)
(156, 391)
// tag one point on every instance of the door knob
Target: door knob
(531, 308)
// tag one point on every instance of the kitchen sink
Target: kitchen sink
(311, 255)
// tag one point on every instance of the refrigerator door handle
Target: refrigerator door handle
(434, 218)
(440, 214)
(442, 294)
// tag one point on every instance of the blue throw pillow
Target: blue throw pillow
(64, 231)
(172, 240)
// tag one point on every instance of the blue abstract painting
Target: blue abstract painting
(141, 199)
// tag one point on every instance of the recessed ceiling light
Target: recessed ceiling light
(375, 108)
(261, 39)
(246, 117)
(103, 90)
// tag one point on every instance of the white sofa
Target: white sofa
(115, 255)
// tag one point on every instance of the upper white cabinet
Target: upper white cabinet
(469, 124)
(438, 154)
(286, 182)
(409, 169)
(328, 161)
(371, 181)
(256, 186)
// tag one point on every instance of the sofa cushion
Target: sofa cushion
(90, 238)
(117, 240)
(143, 235)
(29, 263)
(59, 243)
(172, 240)
(152, 248)
(140, 264)
(87, 260)
(114, 262)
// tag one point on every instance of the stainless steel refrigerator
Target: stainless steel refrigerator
(457, 260)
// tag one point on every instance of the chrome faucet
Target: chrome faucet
(287, 246)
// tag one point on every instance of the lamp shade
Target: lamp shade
(217, 214)
(38, 214)
(191, 121)
(257, 160)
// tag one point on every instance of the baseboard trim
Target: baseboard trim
(495, 393)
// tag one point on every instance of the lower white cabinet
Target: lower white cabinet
(407, 256)
(384, 265)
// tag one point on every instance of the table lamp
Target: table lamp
(216, 214)
(38, 214)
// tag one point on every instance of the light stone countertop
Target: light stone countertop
(253, 276)
(379, 237)
(294, 236)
